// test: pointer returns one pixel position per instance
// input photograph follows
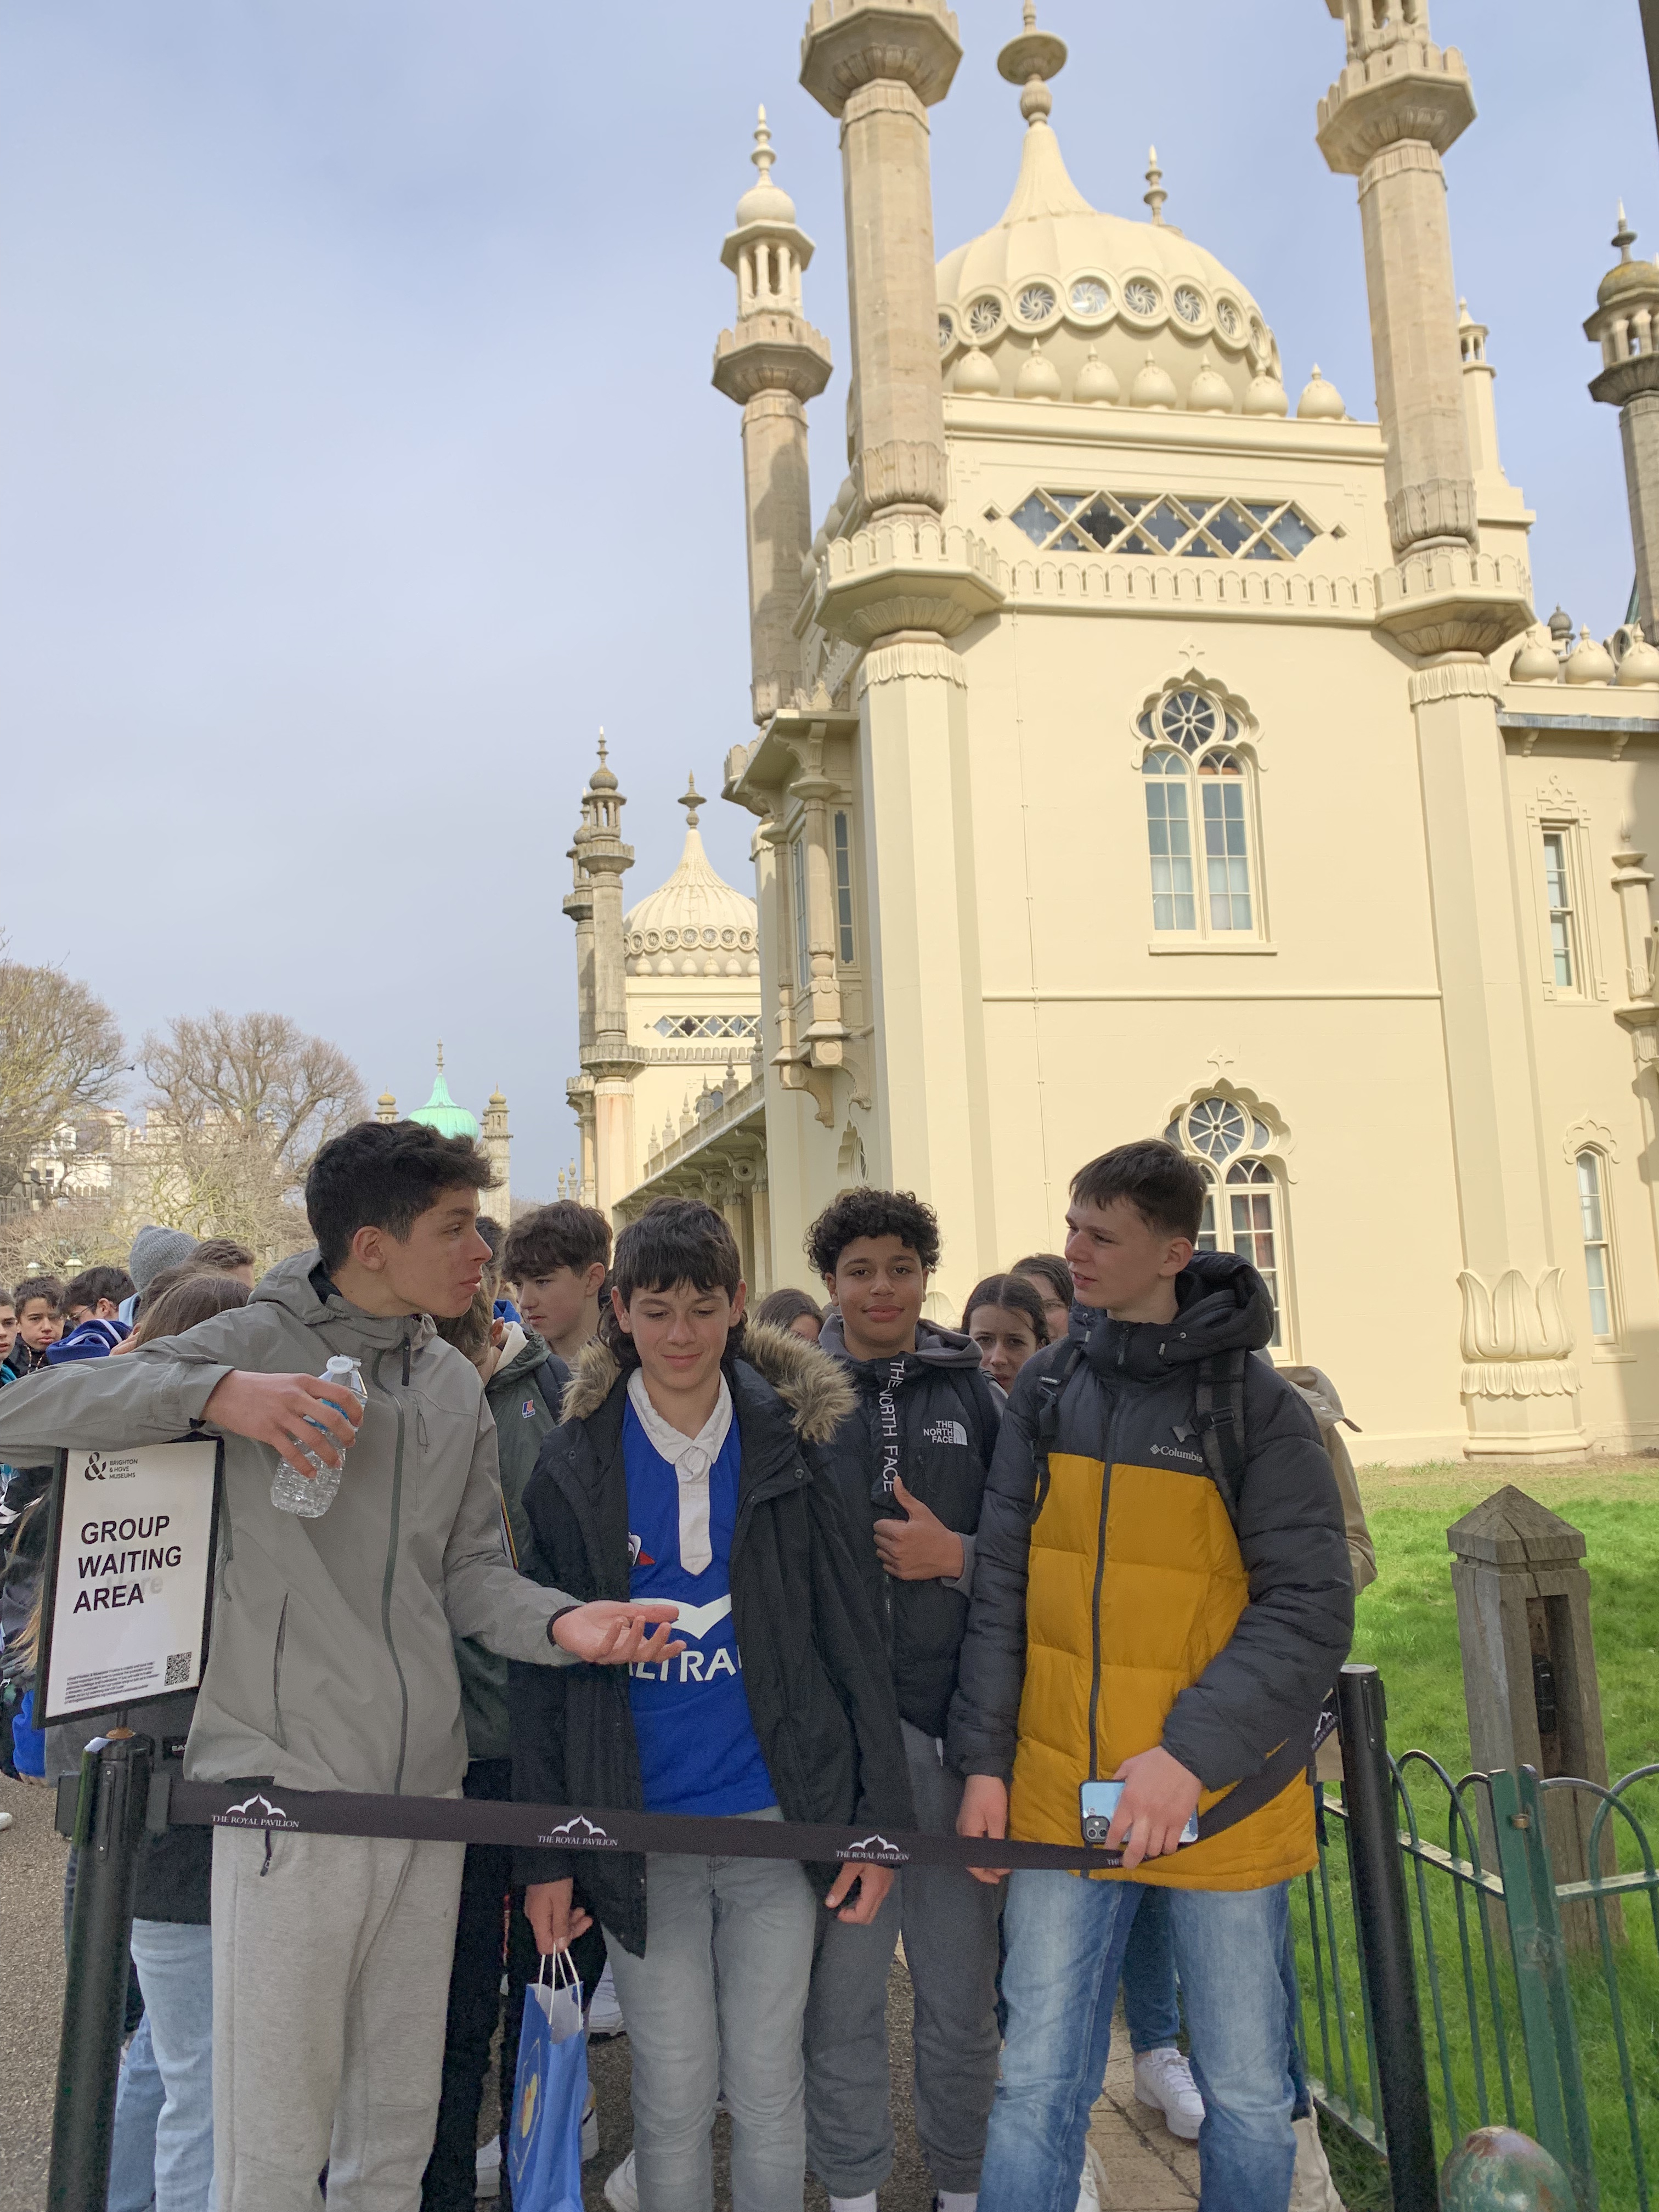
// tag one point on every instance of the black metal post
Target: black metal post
(1651, 38)
(1385, 1937)
(109, 1826)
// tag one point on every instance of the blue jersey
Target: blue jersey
(698, 1750)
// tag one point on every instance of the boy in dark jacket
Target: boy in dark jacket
(1162, 1598)
(910, 1461)
(688, 1466)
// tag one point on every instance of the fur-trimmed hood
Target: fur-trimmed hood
(814, 1387)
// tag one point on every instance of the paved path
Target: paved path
(1148, 2170)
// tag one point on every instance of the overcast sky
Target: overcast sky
(360, 457)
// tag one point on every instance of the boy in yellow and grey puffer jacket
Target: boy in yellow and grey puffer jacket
(1162, 1598)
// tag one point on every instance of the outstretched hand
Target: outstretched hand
(292, 1413)
(609, 1632)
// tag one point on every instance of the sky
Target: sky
(359, 461)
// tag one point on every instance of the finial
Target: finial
(1028, 61)
(601, 745)
(1031, 15)
(441, 1055)
(762, 157)
(1155, 194)
(691, 799)
(1624, 238)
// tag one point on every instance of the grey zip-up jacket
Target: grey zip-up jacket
(332, 1664)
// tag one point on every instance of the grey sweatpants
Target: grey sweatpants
(949, 1921)
(331, 1985)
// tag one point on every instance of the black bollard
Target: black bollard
(1385, 1936)
(109, 1827)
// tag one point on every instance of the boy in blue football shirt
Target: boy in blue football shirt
(688, 1468)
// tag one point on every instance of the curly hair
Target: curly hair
(866, 1212)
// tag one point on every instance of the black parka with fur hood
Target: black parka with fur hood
(820, 1695)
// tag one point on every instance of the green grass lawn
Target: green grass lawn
(1406, 1625)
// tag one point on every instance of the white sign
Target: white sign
(130, 1576)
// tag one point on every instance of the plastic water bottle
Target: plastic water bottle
(310, 1496)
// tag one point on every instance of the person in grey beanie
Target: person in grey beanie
(154, 1251)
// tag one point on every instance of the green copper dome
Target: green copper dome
(442, 1113)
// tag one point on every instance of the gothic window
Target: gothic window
(1196, 526)
(708, 1026)
(844, 890)
(1243, 1207)
(1198, 819)
(1559, 899)
(1596, 1227)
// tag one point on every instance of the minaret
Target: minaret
(603, 859)
(878, 67)
(1398, 105)
(386, 1107)
(578, 905)
(495, 1143)
(1626, 325)
(771, 364)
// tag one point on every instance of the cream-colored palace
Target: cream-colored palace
(1051, 702)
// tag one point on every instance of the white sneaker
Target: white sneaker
(5, 1821)
(1312, 2189)
(489, 2181)
(1164, 2080)
(1089, 2197)
(591, 2125)
(604, 2015)
(621, 2191)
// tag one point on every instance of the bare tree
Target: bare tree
(253, 1078)
(61, 1052)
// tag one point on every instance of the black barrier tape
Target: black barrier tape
(571, 1828)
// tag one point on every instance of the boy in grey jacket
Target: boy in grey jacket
(332, 1662)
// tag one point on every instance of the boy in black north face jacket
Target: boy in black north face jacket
(910, 1462)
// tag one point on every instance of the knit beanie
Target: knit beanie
(154, 1249)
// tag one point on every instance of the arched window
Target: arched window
(1198, 819)
(1243, 1211)
(1596, 1227)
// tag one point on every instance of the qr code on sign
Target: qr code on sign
(178, 1668)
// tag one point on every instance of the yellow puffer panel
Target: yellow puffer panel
(1171, 1588)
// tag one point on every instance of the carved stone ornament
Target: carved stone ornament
(1450, 600)
(1411, 89)
(1588, 1135)
(1516, 1340)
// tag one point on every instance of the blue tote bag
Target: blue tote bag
(545, 2151)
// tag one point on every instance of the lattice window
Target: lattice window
(1197, 808)
(1196, 526)
(708, 1026)
(1243, 1205)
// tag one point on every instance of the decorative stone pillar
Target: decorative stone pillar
(878, 66)
(496, 1142)
(771, 364)
(1626, 325)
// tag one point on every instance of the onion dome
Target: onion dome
(1038, 379)
(1536, 662)
(1209, 393)
(1626, 276)
(442, 1113)
(1056, 268)
(1588, 662)
(1320, 402)
(1641, 662)
(1266, 395)
(764, 201)
(601, 779)
(696, 924)
(974, 376)
(1096, 385)
(1153, 386)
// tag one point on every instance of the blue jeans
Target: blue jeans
(1066, 1938)
(1150, 2003)
(175, 1967)
(139, 2097)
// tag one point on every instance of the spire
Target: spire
(1155, 194)
(601, 779)
(441, 1055)
(1031, 60)
(691, 800)
(1624, 238)
(1043, 188)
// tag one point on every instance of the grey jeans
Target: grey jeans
(715, 2004)
(949, 1921)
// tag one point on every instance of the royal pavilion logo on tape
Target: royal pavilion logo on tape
(255, 1811)
(874, 1849)
(580, 1833)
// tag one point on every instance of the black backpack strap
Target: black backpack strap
(1293, 1758)
(1046, 1426)
(1219, 1410)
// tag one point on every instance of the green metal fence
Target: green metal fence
(1516, 2029)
